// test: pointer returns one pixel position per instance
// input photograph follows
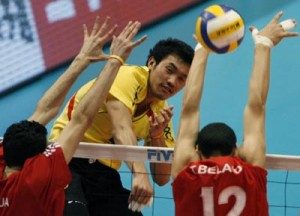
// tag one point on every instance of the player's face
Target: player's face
(168, 77)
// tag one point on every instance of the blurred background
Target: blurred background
(38, 39)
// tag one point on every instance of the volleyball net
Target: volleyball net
(165, 155)
(283, 176)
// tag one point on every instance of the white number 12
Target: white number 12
(207, 195)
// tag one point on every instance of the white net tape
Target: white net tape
(165, 155)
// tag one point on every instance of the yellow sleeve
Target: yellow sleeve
(129, 82)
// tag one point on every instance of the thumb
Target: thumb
(252, 28)
(105, 57)
(99, 58)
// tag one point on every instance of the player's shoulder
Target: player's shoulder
(52, 148)
(135, 70)
(133, 74)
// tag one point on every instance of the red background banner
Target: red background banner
(60, 40)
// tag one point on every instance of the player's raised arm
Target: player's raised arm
(120, 49)
(253, 148)
(50, 104)
(190, 114)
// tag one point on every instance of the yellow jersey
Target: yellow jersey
(129, 87)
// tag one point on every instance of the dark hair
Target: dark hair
(23, 140)
(216, 138)
(171, 46)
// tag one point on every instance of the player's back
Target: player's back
(221, 186)
(38, 188)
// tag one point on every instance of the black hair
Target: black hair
(23, 140)
(171, 46)
(216, 139)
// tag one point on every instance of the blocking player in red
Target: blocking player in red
(212, 175)
(33, 174)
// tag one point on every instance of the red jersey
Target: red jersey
(221, 186)
(37, 189)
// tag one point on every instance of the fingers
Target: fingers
(99, 32)
(102, 28)
(135, 206)
(154, 120)
(291, 34)
(160, 120)
(277, 17)
(96, 25)
(252, 28)
(139, 41)
(109, 34)
(254, 31)
(164, 117)
(130, 31)
(288, 24)
(142, 196)
(139, 195)
(138, 199)
(85, 31)
(167, 114)
(122, 45)
(124, 32)
(195, 37)
(133, 30)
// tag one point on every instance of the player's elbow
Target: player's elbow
(162, 180)
(256, 104)
(123, 134)
(82, 119)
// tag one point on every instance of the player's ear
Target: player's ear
(151, 63)
(201, 156)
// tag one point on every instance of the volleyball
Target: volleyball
(220, 29)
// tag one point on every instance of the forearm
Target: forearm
(124, 135)
(87, 109)
(99, 90)
(195, 79)
(184, 150)
(160, 171)
(259, 82)
(50, 104)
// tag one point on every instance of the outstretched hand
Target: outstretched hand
(275, 31)
(93, 42)
(122, 45)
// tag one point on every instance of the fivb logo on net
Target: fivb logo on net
(160, 155)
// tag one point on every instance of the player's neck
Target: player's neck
(10, 170)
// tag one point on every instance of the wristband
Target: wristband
(258, 39)
(157, 136)
(118, 58)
